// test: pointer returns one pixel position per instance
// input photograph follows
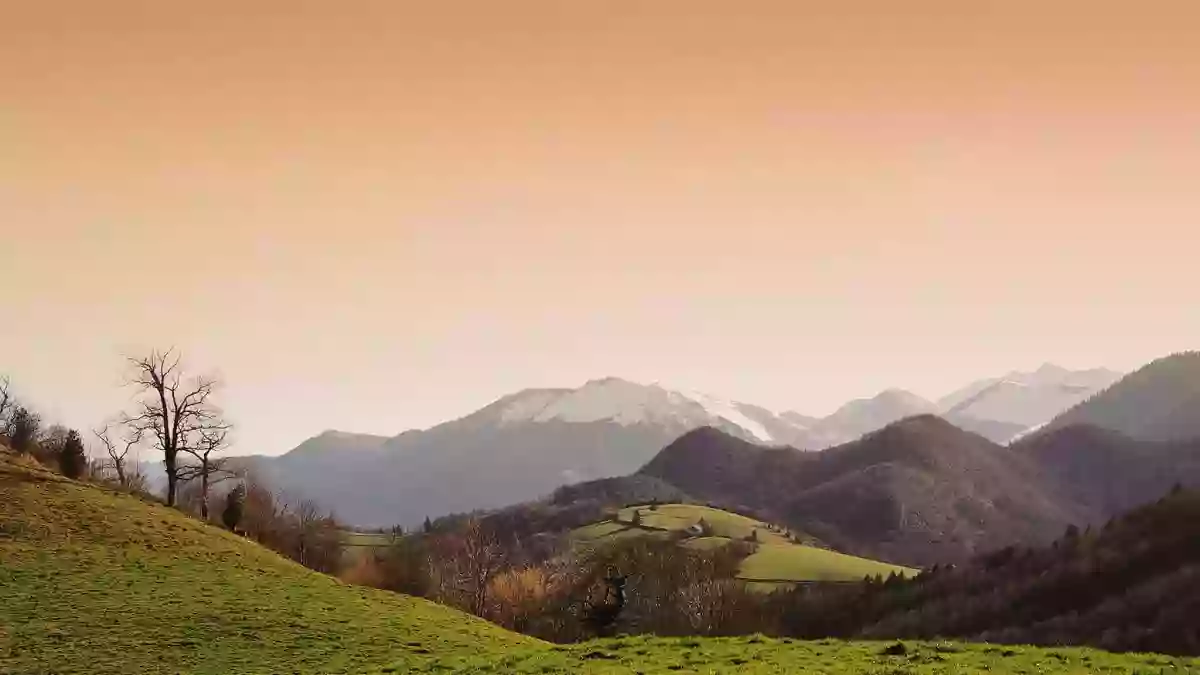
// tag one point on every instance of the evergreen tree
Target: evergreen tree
(231, 516)
(637, 517)
(72, 460)
(25, 426)
(428, 526)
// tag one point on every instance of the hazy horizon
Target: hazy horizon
(384, 215)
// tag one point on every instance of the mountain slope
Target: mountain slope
(1102, 473)
(916, 492)
(921, 491)
(519, 448)
(102, 582)
(1159, 402)
(1132, 586)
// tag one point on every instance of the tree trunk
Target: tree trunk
(120, 466)
(172, 478)
(204, 490)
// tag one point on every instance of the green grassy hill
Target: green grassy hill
(778, 558)
(95, 581)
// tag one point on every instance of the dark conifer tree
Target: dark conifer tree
(72, 460)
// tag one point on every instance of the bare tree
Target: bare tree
(208, 469)
(479, 558)
(7, 403)
(118, 447)
(175, 411)
(307, 523)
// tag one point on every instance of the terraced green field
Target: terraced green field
(777, 559)
(98, 582)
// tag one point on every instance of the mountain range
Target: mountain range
(922, 491)
(518, 448)
(526, 444)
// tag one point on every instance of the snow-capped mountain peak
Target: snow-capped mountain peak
(628, 403)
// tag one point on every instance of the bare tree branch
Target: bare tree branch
(118, 447)
(175, 412)
(7, 403)
(211, 438)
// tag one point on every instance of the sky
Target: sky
(375, 215)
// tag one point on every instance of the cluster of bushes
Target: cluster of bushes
(294, 527)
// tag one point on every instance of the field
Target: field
(99, 582)
(777, 560)
(756, 655)
(367, 539)
(358, 545)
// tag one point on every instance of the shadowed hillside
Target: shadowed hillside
(917, 492)
(1102, 473)
(1133, 585)
(922, 491)
(1159, 402)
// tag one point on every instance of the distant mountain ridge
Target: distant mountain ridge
(520, 447)
(526, 444)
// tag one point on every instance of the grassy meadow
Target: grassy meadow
(95, 581)
(756, 655)
(777, 559)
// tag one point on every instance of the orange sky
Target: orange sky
(372, 215)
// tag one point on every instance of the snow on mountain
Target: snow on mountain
(730, 411)
(521, 447)
(1028, 399)
(627, 403)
